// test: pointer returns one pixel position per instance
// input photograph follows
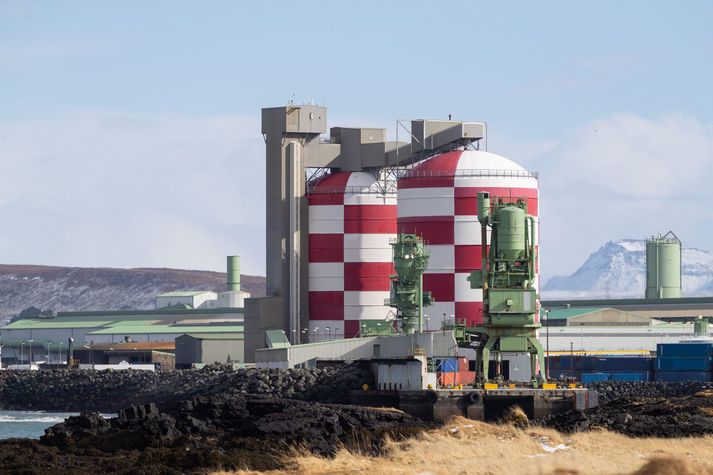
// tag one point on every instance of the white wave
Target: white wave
(48, 419)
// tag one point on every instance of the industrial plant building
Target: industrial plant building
(335, 208)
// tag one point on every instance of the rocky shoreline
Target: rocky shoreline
(218, 432)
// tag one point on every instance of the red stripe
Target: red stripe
(466, 198)
(326, 248)
(425, 182)
(432, 229)
(471, 311)
(326, 199)
(329, 190)
(328, 305)
(435, 172)
(368, 275)
(351, 328)
(442, 286)
(469, 257)
(370, 219)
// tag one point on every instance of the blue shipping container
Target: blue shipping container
(684, 349)
(628, 364)
(571, 363)
(678, 376)
(450, 364)
(641, 376)
(684, 364)
(594, 377)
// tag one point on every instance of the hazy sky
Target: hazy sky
(129, 130)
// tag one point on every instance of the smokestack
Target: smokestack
(233, 273)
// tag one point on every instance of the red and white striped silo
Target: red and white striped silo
(351, 220)
(437, 200)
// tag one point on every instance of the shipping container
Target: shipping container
(627, 364)
(463, 364)
(594, 377)
(448, 379)
(448, 364)
(640, 376)
(684, 349)
(571, 363)
(466, 377)
(678, 376)
(684, 364)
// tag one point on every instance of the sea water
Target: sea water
(28, 424)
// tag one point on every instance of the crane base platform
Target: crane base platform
(488, 405)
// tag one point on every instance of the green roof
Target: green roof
(565, 313)
(216, 336)
(191, 293)
(155, 329)
(42, 323)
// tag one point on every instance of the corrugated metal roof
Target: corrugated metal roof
(155, 329)
(565, 313)
(46, 323)
(134, 346)
(216, 336)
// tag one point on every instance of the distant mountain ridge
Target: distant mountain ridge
(86, 288)
(618, 270)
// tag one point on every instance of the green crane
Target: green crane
(407, 295)
(507, 278)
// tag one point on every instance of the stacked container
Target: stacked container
(437, 200)
(684, 362)
(601, 368)
(351, 221)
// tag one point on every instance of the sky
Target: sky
(130, 130)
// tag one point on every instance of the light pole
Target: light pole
(60, 353)
(336, 333)
(304, 332)
(363, 330)
(49, 343)
(316, 334)
(22, 352)
(294, 336)
(30, 342)
(329, 333)
(427, 319)
(547, 344)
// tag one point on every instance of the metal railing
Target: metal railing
(484, 172)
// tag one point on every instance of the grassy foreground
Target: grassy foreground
(471, 447)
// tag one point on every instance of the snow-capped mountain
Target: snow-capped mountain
(618, 270)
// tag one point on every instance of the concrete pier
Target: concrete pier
(479, 404)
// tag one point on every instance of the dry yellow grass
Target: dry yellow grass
(470, 447)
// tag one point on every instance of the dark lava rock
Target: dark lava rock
(612, 390)
(226, 432)
(687, 416)
(109, 391)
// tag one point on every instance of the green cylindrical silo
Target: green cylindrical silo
(233, 273)
(511, 232)
(663, 267)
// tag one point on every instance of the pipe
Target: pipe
(532, 248)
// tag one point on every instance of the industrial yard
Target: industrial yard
(335, 238)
